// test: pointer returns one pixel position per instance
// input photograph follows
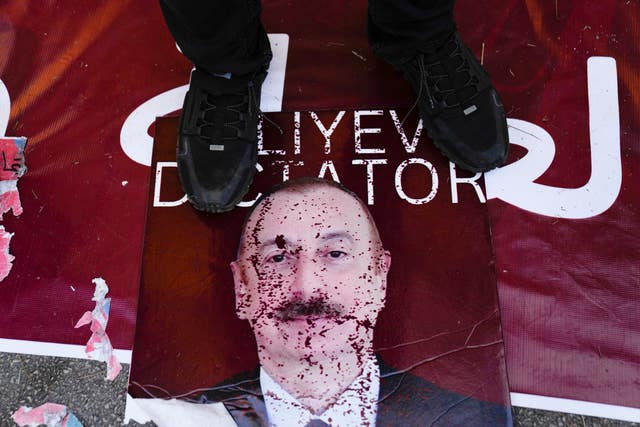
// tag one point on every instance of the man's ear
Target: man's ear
(384, 262)
(242, 299)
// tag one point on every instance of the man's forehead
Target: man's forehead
(320, 211)
(316, 202)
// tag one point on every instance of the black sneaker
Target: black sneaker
(217, 140)
(459, 106)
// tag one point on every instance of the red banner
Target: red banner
(83, 81)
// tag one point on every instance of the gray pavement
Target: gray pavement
(524, 417)
(78, 384)
(81, 386)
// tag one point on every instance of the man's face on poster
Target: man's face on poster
(311, 273)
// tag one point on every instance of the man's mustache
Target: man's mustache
(315, 307)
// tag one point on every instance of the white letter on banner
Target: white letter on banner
(515, 184)
(297, 149)
(328, 165)
(327, 133)
(434, 181)
(369, 163)
(158, 185)
(473, 180)
(358, 131)
(5, 108)
(408, 147)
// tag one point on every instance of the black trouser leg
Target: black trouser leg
(399, 29)
(219, 36)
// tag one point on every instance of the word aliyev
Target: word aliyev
(290, 153)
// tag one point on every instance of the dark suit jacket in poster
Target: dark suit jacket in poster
(405, 400)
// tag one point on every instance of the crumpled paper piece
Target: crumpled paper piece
(10, 198)
(171, 413)
(49, 414)
(12, 167)
(6, 259)
(99, 345)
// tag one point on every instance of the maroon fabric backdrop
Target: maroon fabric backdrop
(569, 288)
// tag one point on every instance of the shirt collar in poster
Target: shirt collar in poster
(356, 406)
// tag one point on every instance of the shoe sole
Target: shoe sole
(204, 208)
(212, 209)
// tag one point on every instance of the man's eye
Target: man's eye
(277, 258)
(336, 254)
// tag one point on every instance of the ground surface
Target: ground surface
(80, 384)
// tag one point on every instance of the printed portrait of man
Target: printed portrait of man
(311, 278)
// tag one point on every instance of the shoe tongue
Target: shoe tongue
(446, 68)
(228, 105)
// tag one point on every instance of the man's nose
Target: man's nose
(307, 278)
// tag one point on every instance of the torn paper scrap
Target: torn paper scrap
(171, 413)
(6, 259)
(12, 167)
(12, 158)
(133, 412)
(99, 345)
(49, 414)
(9, 198)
